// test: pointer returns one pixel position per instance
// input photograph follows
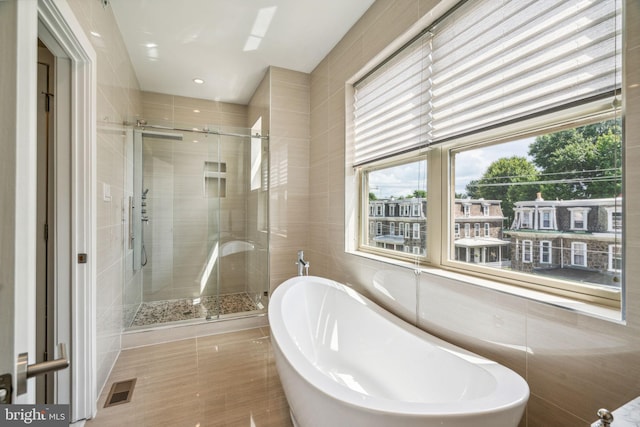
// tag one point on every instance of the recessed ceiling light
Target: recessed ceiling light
(151, 45)
(198, 81)
(196, 111)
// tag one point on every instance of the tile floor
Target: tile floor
(219, 380)
(151, 313)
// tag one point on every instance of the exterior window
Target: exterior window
(456, 230)
(415, 209)
(467, 210)
(546, 219)
(526, 219)
(407, 230)
(579, 254)
(579, 218)
(526, 250)
(378, 228)
(467, 230)
(487, 229)
(476, 230)
(392, 228)
(416, 231)
(372, 228)
(615, 258)
(401, 229)
(545, 252)
(392, 210)
(379, 210)
(485, 210)
(614, 220)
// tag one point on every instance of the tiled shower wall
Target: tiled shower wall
(574, 363)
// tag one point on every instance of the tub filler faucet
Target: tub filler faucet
(303, 266)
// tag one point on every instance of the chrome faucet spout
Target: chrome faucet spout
(303, 266)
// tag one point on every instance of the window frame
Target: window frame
(579, 252)
(441, 249)
(611, 257)
(548, 246)
(585, 218)
(527, 251)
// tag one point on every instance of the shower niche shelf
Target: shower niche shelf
(215, 179)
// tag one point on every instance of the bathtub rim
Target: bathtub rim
(500, 400)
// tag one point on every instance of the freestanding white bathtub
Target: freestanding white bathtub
(346, 362)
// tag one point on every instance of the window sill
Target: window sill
(581, 307)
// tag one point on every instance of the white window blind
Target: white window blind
(487, 63)
(392, 114)
(495, 61)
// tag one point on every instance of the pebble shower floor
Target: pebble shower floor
(151, 313)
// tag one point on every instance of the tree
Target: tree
(372, 196)
(419, 193)
(497, 183)
(580, 163)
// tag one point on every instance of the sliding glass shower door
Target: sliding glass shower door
(201, 231)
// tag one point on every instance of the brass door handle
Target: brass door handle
(26, 371)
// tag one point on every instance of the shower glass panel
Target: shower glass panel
(199, 232)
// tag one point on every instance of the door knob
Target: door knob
(26, 371)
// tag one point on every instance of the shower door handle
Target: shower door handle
(131, 233)
(26, 371)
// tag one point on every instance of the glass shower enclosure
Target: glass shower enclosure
(197, 246)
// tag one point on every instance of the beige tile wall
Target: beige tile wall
(573, 363)
(284, 96)
(118, 100)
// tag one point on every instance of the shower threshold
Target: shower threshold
(203, 308)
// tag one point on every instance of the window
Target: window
(545, 252)
(515, 89)
(526, 250)
(614, 219)
(579, 218)
(615, 258)
(392, 210)
(416, 231)
(392, 228)
(546, 219)
(579, 254)
(378, 228)
(525, 218)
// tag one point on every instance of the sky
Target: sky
(402, 180)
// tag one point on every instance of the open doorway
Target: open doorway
(45, 237)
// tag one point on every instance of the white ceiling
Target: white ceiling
(228, 43)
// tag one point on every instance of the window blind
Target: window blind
(392, 112)
(487, 63)
(495, 61)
